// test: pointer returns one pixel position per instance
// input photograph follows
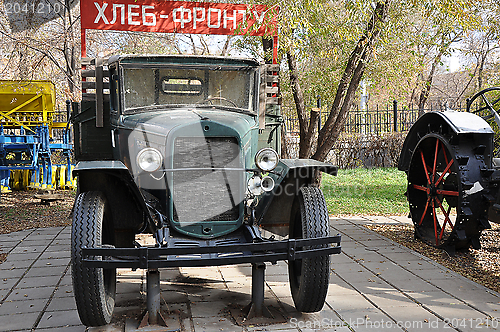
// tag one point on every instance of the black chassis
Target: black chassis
(245, 245)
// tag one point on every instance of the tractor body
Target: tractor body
(453, 173)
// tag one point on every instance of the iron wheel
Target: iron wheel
(445, 195)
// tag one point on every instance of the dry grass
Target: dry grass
(481, 266)
(20, 210)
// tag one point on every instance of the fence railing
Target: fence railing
(378, 120)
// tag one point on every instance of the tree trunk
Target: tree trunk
(480, 73)
(353, 72)
(285, 154)
(298, 97)
(71, 69)
(193, 44)
(413, 96)
(467, 85)
(70, 53)
(446, 41)
(358, 60)
(225, 49)
(424, 94)
(268, 46)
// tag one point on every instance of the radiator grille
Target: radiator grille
(208, 194)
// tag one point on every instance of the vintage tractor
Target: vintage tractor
(451, 161)
(186, 148)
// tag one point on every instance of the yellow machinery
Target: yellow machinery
(27, 126)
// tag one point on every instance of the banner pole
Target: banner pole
(275, 50)
(83, 44)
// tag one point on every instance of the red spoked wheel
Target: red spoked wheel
(435, 192)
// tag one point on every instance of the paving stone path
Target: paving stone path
(376, 285)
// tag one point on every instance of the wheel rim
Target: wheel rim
(434, 189)
(484, 104)
(109, 275)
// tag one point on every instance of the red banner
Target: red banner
(177, 17)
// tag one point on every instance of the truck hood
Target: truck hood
(188, 190)
(162, 122)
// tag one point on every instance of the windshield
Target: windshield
(178, 86)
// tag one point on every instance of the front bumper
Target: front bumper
(212, 254)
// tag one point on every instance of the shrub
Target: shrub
(357, 150)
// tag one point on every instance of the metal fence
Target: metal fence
(378, 120)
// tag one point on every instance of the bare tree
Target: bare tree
(447, 39)
(44, 51)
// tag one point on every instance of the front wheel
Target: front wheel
(94, 288)
(309, 277)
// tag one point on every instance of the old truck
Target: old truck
(453, 167)
(186, 148)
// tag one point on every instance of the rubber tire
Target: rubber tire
(309, 277)
(94, 288)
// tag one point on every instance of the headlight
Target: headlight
(149, 159)
(267, 183)
(255, 185)
(266, 159)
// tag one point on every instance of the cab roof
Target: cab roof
(183, 60)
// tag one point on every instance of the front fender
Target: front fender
(456, 123)
(109, 165)
(274, 208)
(114, 180)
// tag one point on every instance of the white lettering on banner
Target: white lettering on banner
(131, 15)
(101, 13)
(195, 16)
(146, 15)
(244, 14)
(261, 18)
(182, 18)
(226, 18)
(122, 11)
(209, 18)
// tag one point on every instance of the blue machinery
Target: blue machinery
(30, 138)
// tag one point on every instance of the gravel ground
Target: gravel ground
(21, 210)
(481, 266)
